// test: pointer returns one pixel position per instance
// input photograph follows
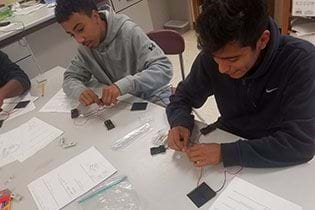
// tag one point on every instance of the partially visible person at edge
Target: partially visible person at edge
(13, 80)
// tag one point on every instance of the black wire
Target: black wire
(200, 176)
(232, 173)
(222, 186)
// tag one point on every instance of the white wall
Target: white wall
(140, 14)
(160, 12)
(179, 9)
(52, 47)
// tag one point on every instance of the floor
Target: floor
(208, 111)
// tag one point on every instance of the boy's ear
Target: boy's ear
(95, 15)
(263, 40)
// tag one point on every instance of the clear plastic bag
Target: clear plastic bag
(114, 194)
(132, 136)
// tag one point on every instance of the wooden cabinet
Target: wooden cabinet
(286, 16)
(196, 9)
(271, 7)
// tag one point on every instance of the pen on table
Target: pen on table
(104, 188)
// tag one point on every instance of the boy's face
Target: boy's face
(86, 30)
(235, 60)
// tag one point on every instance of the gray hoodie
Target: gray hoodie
(126, 57)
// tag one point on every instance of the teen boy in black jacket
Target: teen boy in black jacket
(13, 81)
(263, 83)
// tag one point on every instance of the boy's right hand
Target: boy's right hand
(88, 97)
(178, 138)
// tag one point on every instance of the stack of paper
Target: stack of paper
(59, 103)
(25, 140)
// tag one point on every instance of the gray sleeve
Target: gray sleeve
(154, 69)
(76, 76)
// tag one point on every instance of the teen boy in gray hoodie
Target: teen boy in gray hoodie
(115, 51)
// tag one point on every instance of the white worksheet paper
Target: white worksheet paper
(243, 195)
(59, 103)
(25, 140)
(36, 134)
(72, 179)
(9, 148)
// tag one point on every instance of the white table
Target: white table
(162, 181)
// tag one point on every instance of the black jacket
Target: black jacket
(273, 108)
(11, 71)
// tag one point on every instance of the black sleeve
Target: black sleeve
(11, 71)
(293, 140)
(190, 93)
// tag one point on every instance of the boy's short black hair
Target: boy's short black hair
(224, 21)
(65, 8)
